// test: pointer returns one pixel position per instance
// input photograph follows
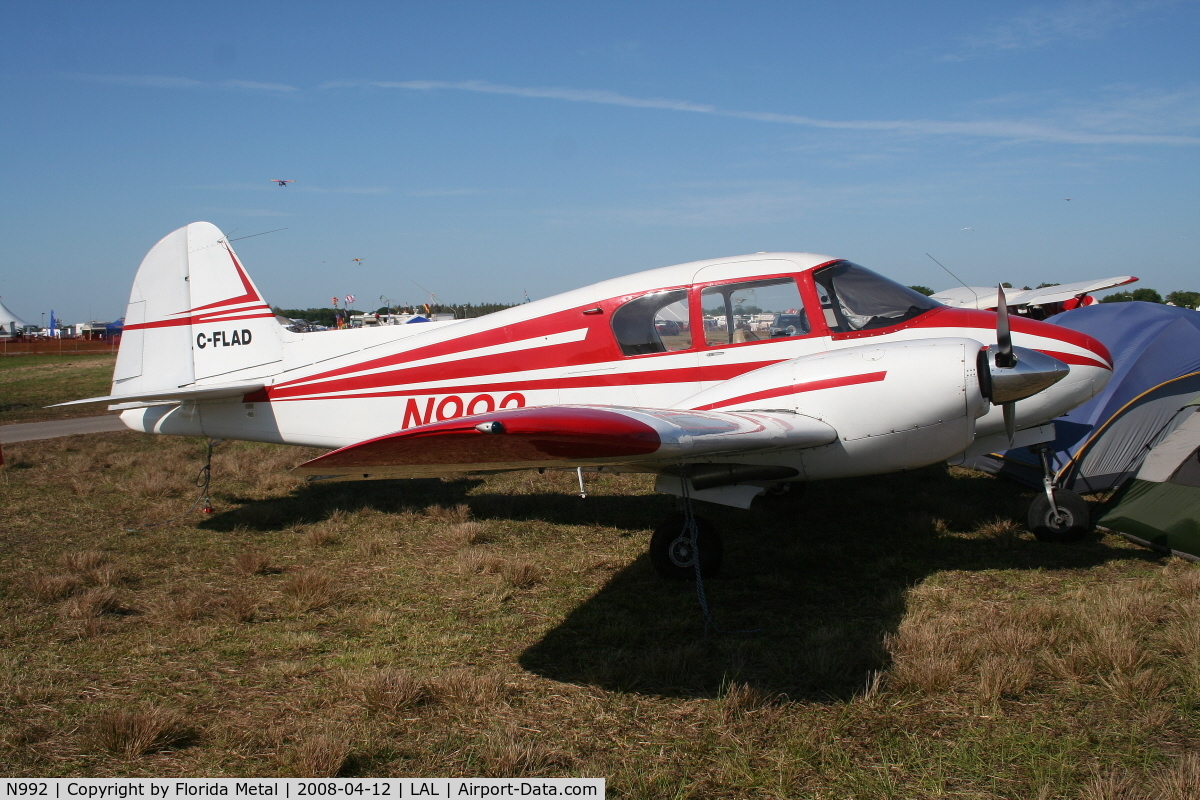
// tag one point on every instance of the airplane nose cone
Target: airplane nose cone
(1032, 372)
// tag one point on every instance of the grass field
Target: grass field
(29, 383)
(900, 636)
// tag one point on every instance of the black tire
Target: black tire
(671, 550)
(781, 493)
(1073, 524)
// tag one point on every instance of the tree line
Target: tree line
(328, 316)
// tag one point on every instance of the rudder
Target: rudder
(194, 314)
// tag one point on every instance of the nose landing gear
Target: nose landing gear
(1057, 515)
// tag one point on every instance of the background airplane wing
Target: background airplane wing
(986, 297)
(566, 437)
(968, 297)
(1065, 291)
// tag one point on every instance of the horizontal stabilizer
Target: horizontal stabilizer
(214, 392)
(568, 436)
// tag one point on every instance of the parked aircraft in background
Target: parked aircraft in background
(658, 372)
(1038, 303)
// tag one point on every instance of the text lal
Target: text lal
(467, 789)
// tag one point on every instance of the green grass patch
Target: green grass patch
(30, 383)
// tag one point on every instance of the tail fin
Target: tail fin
(194, 314)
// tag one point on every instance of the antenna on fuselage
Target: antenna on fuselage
(960, 280)
(251, 236)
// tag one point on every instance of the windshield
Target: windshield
(854, 298)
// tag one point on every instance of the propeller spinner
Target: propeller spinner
(1008, 374)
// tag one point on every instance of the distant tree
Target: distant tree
(1006, 285)
(471, 310)
(1184, 299)
(1026, 288)
(1143, 295)
(321, 316)
(1044, 285)
(925, 290)
(738, 308)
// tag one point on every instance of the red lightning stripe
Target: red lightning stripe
(796, 388)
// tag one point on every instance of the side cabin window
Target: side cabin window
(753, 310)
(653, 323)
(854, 298)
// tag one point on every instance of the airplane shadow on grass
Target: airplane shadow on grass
(808, 593)
(810, 589)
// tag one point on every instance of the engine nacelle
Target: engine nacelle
(895, 405)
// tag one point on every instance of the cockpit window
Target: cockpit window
(653, 323)
(854, 298)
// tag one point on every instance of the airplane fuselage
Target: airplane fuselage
(334, 389)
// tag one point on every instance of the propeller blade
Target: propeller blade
(1004, 353)
(1010, 420)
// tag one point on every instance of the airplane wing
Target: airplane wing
(968, 297)
(566, 437)
(1065, 291)
(985, 297)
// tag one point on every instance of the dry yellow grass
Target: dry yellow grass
(311, 589)
(505, 627)
(393, 691)
(133, 732)
(321, 755)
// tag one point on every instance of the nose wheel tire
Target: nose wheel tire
(673, 553)
(1071, 523)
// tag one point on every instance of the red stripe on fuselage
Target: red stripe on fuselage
(596, 347)
(796, 388)
(682, 375)
(986, 321)
(480, 373)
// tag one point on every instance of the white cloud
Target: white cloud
(1020, 130)
(170, 82)
(248, 212)
(1043, 25)
(443, 192)
(743, 203)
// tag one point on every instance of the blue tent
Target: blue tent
(1100, 444)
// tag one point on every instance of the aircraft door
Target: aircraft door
(768, 312)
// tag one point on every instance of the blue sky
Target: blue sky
(482, 150)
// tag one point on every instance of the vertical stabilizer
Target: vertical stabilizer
(194, 314)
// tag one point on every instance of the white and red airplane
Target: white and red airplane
(726, 378)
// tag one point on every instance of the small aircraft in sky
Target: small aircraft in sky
(282, 183)
(724, 378)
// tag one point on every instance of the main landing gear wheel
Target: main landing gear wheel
(673, 553)
(1071, 523)
(781, 492)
